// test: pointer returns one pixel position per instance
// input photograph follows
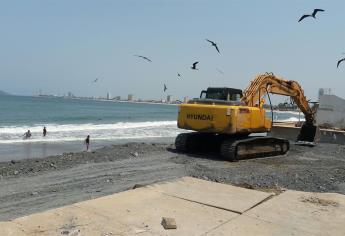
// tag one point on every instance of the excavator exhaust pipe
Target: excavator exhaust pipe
(307, 133)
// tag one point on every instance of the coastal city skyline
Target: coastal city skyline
(69, 45)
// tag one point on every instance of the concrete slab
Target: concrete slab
(313, 213)
(10, 229)
(141, 210)
(247, 226)
(223, 196)
(69, 220)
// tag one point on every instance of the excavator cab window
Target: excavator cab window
(224, 94)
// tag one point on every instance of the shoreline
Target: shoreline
(30, 150)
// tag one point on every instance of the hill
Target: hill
(3, 93)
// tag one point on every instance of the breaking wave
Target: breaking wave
(75, 132)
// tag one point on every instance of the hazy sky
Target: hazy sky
(62, 45)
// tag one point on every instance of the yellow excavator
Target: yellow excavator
(225, 120)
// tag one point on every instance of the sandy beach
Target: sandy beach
(33, 185)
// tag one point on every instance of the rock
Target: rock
(52, 165)
(138, 186)
(16, 172)
(75, 232)
(135, 154)
(169, 223)
(34, 193)
(205, 177)
(13, 161)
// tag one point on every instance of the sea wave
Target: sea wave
(291, 119)
(75, 132)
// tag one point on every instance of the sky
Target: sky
(61, 46)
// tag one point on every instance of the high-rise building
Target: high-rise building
(185, 99)
(169, 99)
(130, 97)
(108, 96)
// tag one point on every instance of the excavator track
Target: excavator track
(253, 147)
(232, 148)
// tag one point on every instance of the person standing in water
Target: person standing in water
(44, 131)
(87, 142)
(27, 134)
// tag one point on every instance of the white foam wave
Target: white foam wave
(291, 119)
(75, 132)
(288, 112)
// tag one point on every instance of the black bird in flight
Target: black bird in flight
(179, 75)
(312, 15)
(95, 80)
(213, 44)
(165, 88)
(143, 57)
(341, 60)
(194, 65)
(220, 72)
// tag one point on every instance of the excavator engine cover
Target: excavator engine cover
(307, 133)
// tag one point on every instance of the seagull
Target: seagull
(165, 88)
(179, 75)
(312, 15)
(220, 72)
(95, 80)
(340, 61)
(143, 57)
(194, 65)
(213, 44)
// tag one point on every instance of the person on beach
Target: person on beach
(87, 142)
(44, 131)
(27, 134)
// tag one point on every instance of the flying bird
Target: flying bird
(220, 72)
(143, 57)
(312, 15)
(95, 80)
(179, 75)
(213, 44)
(194, 65)
(165, 88)
(341, 60)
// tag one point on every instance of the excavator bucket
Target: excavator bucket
(307, 133)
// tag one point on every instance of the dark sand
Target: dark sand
(33, 185)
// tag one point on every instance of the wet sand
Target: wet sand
(33, 185)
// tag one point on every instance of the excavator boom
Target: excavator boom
(269, 83)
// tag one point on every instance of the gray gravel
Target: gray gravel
(34, 185)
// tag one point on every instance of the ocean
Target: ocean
(69, 121)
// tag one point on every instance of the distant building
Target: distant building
(169, 99)
(70, 95)
(130, 97)
(117, 98)
(185, 99)
(108, 96)
(324, 91)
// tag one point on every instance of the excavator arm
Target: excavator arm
(269, 83)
